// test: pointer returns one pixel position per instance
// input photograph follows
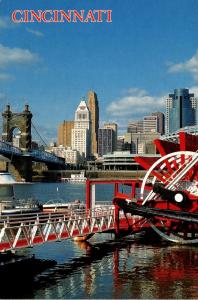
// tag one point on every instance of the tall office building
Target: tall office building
(81, 131)
(94, 113)
(64, 133)
(180, 110)
(150, 124)
(114, 127)
(105, 141)
(161, 121)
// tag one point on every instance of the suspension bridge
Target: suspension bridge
(23, 156)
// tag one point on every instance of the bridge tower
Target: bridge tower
(20, 166)
(21, 121)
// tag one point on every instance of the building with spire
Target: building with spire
(81, 130)
(94, 114)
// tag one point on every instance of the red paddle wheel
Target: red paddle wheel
(170, 189)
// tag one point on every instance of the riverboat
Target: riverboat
(75, 206)
(75, 178)
(8, 203)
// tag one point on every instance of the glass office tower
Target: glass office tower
(180, 110)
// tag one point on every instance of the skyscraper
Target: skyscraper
(64, 133)
(94, 113)
(81, 131)
(105, 141)
(180, 110)
(161, 121)
(114, 127)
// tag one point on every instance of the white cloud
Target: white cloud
(5, 76)
(35, 32)
(135, 105)
(190, 66)
(6, 23)
(136, 92)
(194, 89)
(16, 55)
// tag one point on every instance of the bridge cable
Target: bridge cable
(39, 135)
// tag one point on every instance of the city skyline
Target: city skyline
(132, 63)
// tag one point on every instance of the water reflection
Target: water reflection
(160, 272)
(124, 270)
(107, 270)
(101, 268)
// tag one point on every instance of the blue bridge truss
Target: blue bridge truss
(9, 151)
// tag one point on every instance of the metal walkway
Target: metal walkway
(26, 230)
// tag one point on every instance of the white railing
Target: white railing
(20, 231)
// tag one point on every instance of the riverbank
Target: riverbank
(55, 176)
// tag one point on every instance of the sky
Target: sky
(133, 63)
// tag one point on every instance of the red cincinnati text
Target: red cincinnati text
(61, 16)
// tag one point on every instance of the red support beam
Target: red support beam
(188, 142)
(145, 162)
(88, 194)
(166, 147)
(115, 189)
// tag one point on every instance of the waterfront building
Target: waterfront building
(105, 141)
(122, 160)
(161, 122)
(114, 127)
(64, 133)
(81, 130)
(117, 161)
(180, 110)
(150, 124)
(59, 151)
(71, 156)
(94, 114)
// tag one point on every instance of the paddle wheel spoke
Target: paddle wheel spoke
(171, 184)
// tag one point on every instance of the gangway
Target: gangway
(20, 231)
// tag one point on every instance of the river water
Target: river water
(101, 268)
